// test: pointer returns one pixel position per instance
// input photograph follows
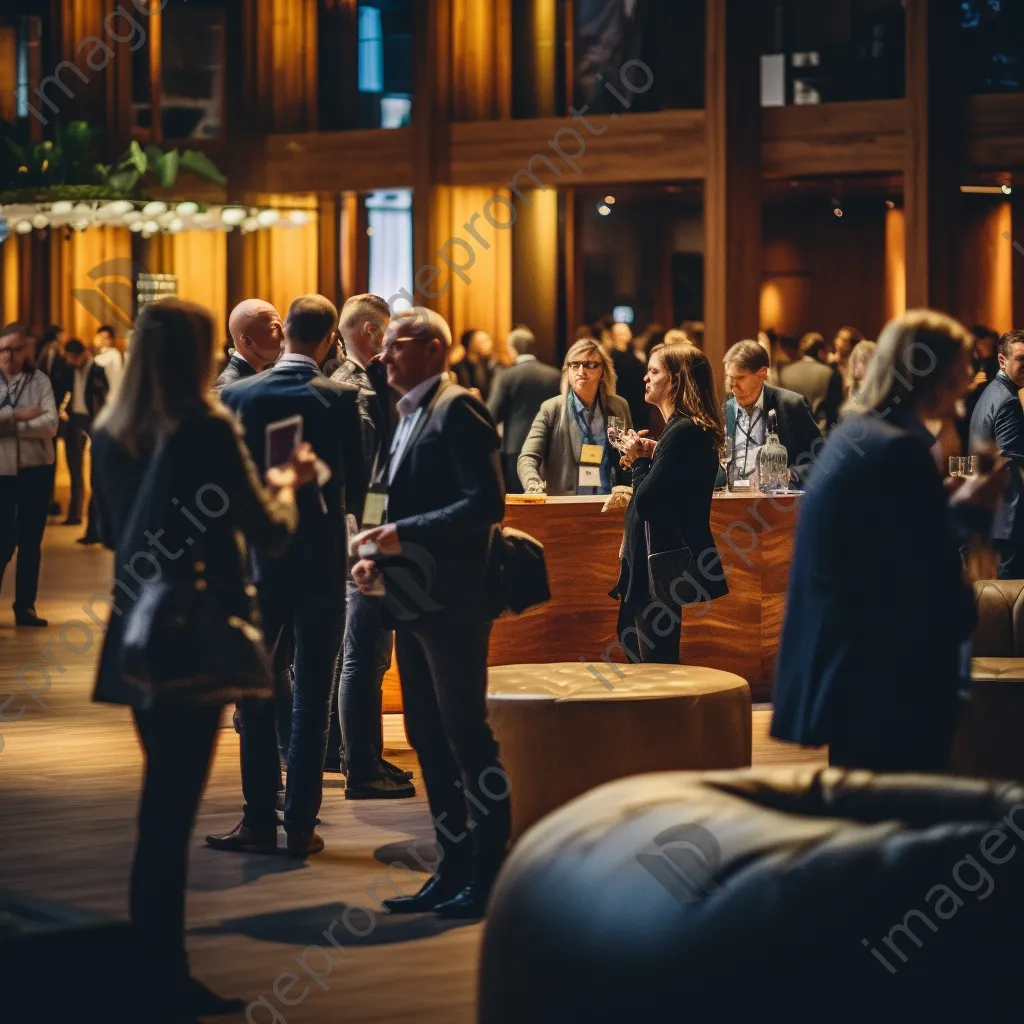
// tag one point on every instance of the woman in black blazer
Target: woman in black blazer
(205, 473)
(673, 481)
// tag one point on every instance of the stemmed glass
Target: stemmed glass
(725, 456)
(616, 435)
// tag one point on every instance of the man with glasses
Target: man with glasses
(28, 425)
(436, 500)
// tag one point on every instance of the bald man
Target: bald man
(256, 333)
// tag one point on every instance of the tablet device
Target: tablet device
(283, 437)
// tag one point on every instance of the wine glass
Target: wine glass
(954, 466)
(725, 455)
(615, 437)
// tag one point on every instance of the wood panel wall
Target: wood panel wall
(822, 271)
(199, 260)
(985, 270)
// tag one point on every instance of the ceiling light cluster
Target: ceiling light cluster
(148, 218)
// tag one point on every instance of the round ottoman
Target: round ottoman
(792, 894)
(562, 731)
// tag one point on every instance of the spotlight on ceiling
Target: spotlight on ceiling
(604, 210)
(609, 200)
(1006, 190)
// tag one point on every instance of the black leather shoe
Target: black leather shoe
(437, 891)
(29, 618)
(243, 839)
(469, 904)
(387, 787)
(88, 541)
(394, 771)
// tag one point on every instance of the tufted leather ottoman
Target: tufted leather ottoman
(562, 731)
(788, 894)
(988, 742)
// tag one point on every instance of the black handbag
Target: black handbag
(671, 574)
(517, 573)
(179, 645)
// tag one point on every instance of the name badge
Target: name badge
(590, 476)
(592, 454)
(373, 508)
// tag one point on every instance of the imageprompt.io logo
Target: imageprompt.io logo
(685, 860)
(113, 298)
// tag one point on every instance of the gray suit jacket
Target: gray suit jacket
(547, 454)
(821, 385)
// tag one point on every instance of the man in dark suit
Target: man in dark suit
(998, 419)
(80, 397)
(746, 417)
(355, 745)
(516, 399)
(440, 496)
(302, 594)
(256, 333)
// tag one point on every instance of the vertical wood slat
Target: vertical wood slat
(329, 247)
(156, 72)
(732, 183)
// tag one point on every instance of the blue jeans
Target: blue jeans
(314, 618)
(367, 657)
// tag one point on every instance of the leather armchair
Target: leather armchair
(802, 894)
(988, 742)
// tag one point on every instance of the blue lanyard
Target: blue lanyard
(585, 422)
(10, 396)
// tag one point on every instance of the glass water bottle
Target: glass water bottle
(773, 460)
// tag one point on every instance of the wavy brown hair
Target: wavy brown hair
(693, 386)
(168, 374)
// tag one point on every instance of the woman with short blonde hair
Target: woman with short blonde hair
(561, 451)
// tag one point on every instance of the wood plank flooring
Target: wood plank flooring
(69, 782)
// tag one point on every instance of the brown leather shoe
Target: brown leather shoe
(244, 839)
(304, 844)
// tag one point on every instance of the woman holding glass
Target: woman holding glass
(570, 447)
(669, 515)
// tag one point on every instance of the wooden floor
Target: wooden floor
(69, 781)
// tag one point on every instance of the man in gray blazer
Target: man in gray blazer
(998, 419)
(818, 382)
(516, 397)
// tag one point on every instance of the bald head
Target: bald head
(256, 332)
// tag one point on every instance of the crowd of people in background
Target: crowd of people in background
(409, 444)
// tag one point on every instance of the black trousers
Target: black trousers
(312, 616)
(179, 746)
(1011, 559)
(75, 439)
(24, 503)
(442, 660)
(652, 638)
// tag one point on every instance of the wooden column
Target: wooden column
(535, 269)
(732, 183)
(1016, 241)
(936, 120)
(329, 244)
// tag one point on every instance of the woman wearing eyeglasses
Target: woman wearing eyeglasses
(567, 448)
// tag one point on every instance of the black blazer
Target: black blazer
(237, 369)
(798, 431)
(999, 418)
(97, 388)
(206, 450)
(672, 492)
(877, 604)
(376, 407)
(330, 423)
(516, 398)
(446, 496)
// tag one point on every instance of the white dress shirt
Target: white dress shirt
(748, 436)
(410, 409)
(292, 359)
(113, 366)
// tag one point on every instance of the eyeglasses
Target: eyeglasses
(586, 366)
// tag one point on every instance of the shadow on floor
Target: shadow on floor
(419, 853)
(221, 871)
(354, 925)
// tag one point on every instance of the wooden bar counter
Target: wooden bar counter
(738, 633)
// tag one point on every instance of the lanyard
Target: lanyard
(748, 434)
(584, 418)
(11, 397)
